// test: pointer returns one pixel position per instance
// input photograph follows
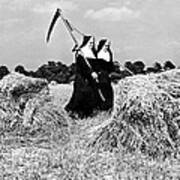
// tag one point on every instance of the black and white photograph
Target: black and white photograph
(89, 90)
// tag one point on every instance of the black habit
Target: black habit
(90, 94)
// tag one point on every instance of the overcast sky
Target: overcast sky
(138, 29)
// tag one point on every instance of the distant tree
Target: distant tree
(157, 67)
(62, 77)
(44, 72)
(51, 63)
(3, 71)
(169, 65)
(19, 69)
(129, 65)
(59, 63)
(32, 74)
(139, 67)
(51, 71)
(150, 70)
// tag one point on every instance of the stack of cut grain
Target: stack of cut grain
(26, 102)
(14, 85)
(146, 115)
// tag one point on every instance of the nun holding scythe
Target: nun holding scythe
(92, 86)
(86, 96)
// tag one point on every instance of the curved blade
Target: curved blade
(56, 15)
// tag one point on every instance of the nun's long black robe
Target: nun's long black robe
(104, 68)
(85, 97)
(87, 94)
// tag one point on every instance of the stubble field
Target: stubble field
(39, 141)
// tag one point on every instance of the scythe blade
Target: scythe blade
(56, 15)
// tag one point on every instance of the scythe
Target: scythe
(70, 28)
(53, 22)
(68, 25)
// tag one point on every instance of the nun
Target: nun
(104, 51)
(86, 96)
(105, 64)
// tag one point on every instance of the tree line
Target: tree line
(61, 73)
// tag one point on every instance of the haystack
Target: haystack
(14, 85)
(146, 115)
(26, 103)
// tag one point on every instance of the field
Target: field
(39, 141)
